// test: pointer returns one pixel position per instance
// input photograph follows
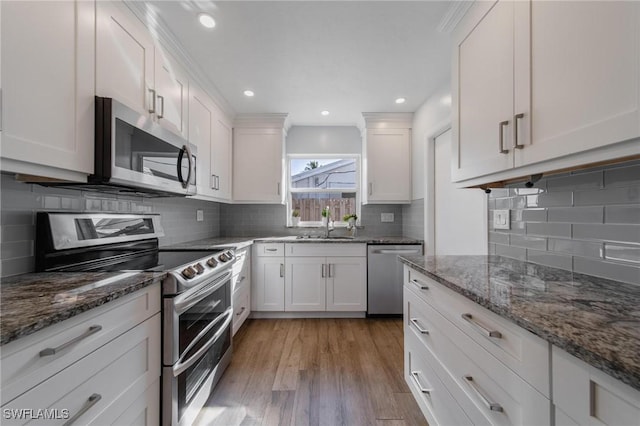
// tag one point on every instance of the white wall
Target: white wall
(324, 140)
(430, 118)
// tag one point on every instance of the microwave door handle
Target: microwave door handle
(181, 365)
(184, 182)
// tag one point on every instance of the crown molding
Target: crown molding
(261, 121)
(169, 41)
(388, 120)
(453, 16)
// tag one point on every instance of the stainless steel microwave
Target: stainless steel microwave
(135, 155)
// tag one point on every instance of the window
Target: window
(318, 182)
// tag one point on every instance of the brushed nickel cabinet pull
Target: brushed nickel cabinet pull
(91, 401)
(52, 351)
(416, 378)
(282, 270)
(516, 119)
(370, 188)
(323, 270)
(492, 406)
(418, 284)
(152, 110)
(415, 322)
(490, 333)
(161, 115)
(501, 149)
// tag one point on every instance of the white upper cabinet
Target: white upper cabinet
(258, 145)
(172, 93)
(48, 57)
(136, 71)
(210, 131)
(387, 158)
(543, 86)
(124, 58)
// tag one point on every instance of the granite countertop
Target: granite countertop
(31, 302)
(595, 319)
(239, 242)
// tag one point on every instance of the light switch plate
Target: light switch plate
(386, 217)
(199, 215)
(501, 219)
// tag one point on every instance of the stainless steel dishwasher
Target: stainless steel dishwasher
(384, 272)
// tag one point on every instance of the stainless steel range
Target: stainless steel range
(197, 311)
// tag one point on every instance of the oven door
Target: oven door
(200, 336)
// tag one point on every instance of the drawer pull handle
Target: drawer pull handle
(241, 311)
(419, 284)
(417, 325)
(242, 278)
(493, 406)
(52, 351)
(416, 378)
(490, 333)
(93, 400)
(282, 270)
(271, 249)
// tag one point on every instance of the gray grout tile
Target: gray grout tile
(620, 233)
(622, 195)
(610, 270)
(578, 248)
(622, 214)
(623, 253)
(576, 214)
(550, 259)
(549, 229)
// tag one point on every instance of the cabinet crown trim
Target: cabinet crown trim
(388, 120)
(267, 120)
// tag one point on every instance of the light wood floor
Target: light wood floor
(315, 372)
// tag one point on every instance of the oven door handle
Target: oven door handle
(189, 300)
(181, 365)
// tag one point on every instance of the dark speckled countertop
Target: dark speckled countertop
(31, 302)
(594, 319)
(239, 242)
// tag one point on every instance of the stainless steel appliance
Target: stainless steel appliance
(384, 284)
(197, 311)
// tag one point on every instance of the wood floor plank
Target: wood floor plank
(313, 372)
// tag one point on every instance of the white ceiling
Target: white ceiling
(303, 57)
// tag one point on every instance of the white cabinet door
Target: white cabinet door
(388, 170)
(257, 165)
(201, 118)
(585, 77)
(124, 58)
(346, 284)
(305, 279)
(172, 93)
(48, 70)
(483, 96)
(221, 156)
(267, 292)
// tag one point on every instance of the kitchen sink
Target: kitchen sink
(320, 237)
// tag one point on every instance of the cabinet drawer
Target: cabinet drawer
(520, 350)
(23, 366)
(432, 396)
(242, 263)
(326, 249)
(589, 396)
(95, 386)
(475, 378)
(241, 308)
(269, 249)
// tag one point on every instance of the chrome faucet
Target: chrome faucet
(327, 230)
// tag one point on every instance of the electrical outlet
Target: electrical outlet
(501, 219)
(199, 215)
(386, 217)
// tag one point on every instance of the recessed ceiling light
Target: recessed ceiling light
(206, 20)
(249, 93)
(400, 100)
(325, 112)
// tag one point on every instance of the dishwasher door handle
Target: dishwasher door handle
(396, 251)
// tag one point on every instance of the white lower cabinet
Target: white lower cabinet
(241, 287)
(117, 383)
(267, 282)
(305, 284)
(584, 395)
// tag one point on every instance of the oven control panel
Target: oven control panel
(192, 271)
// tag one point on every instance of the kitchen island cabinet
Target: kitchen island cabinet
(544, 86)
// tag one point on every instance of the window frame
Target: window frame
(291, 190)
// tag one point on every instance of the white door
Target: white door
(124, 58)
(305, 279)
(267, 293)
(483, 67)
(200, 126)
(172, 90)
(347, 284)
(585, 77)
(257, 165)
(388, 165)
(221, 156)
(460, 214)
(48, 72)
